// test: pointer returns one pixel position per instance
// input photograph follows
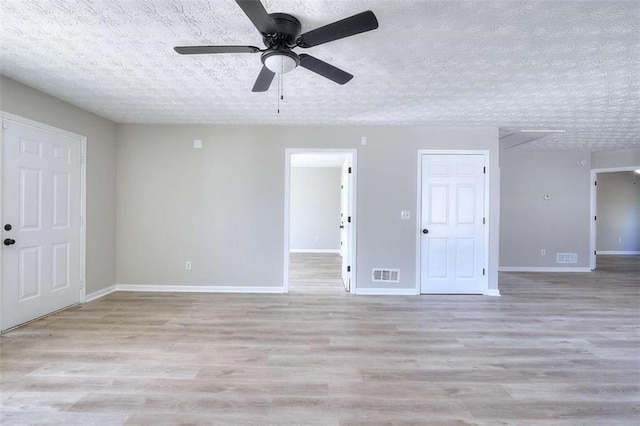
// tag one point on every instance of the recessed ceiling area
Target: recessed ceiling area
(513, 65)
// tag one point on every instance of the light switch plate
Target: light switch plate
(197, 143)
(405, 215)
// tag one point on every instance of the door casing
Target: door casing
(353, 197)
(418, 228)
(6, 116)
(593, 229)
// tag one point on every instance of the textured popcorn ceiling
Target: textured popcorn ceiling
(512, 64)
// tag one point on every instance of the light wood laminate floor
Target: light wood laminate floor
(555, 349)
(315, 273)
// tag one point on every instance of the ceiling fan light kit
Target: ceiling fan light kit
(280, 34)
(280, 61)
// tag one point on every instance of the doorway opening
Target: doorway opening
(319, 246)
(615, 216)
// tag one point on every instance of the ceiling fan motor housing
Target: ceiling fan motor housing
(287, 31)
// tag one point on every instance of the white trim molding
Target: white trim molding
(594, 208)
(184, 289)
(353, 201)
(617, 253)
(336, 251)
(100, 293)
(386, 291)
(543, 269)
(492, 292)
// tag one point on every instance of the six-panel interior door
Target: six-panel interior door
(452, 229)
(345, 225)
(41, 206)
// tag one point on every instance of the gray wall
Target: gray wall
(222, 206)
(528, 223)
(610, 159)
(315, 208)
(101, 135)
(618, 212)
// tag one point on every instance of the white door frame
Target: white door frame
(353, 197)
(6, 116)
(418, 223)
(594, 207)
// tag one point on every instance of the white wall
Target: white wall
(618, 212)
(529, 223)
(222, 206)
(315, 208)
(101, 135)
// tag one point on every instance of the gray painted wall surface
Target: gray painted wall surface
(101, 136)
(618, 212)
(315, 208)
(609, 159)
(528, 223)
(222, 206)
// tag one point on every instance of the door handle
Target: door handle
(9, 242)
(425, 231)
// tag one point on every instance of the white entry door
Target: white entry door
(41, 222)
(345, 223)
(452, 224)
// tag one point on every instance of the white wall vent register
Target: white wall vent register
(386, 275)
(567, 258)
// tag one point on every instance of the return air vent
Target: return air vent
(567, 258)
(386, 275)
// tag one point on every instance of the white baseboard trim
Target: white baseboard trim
(198, 288)
(492, 292)
(100, 293)
(543, 269)
(336, 251)
(617, 253)
(181, 289)
(386, 291)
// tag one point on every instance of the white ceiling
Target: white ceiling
(513, 64)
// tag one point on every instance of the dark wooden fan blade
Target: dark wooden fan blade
(256, 12)
(356, 24)
(264, 80)
(324, 69)
(198, 50)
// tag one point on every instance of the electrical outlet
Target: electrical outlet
(187, 265)
(543, 252)
(619, 240)
(316, 238)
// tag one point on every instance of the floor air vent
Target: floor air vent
(567, 258)
(386, 275)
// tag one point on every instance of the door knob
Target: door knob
(9, 241)
(425, 231)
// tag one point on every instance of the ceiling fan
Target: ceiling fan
(280, 34)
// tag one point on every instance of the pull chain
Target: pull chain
(280, 86)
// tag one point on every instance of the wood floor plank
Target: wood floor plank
(556, 348)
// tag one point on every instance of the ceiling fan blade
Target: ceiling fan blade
(197, 50)
(356, 24)
(324, 69)
(256, 12)
(264, 80)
